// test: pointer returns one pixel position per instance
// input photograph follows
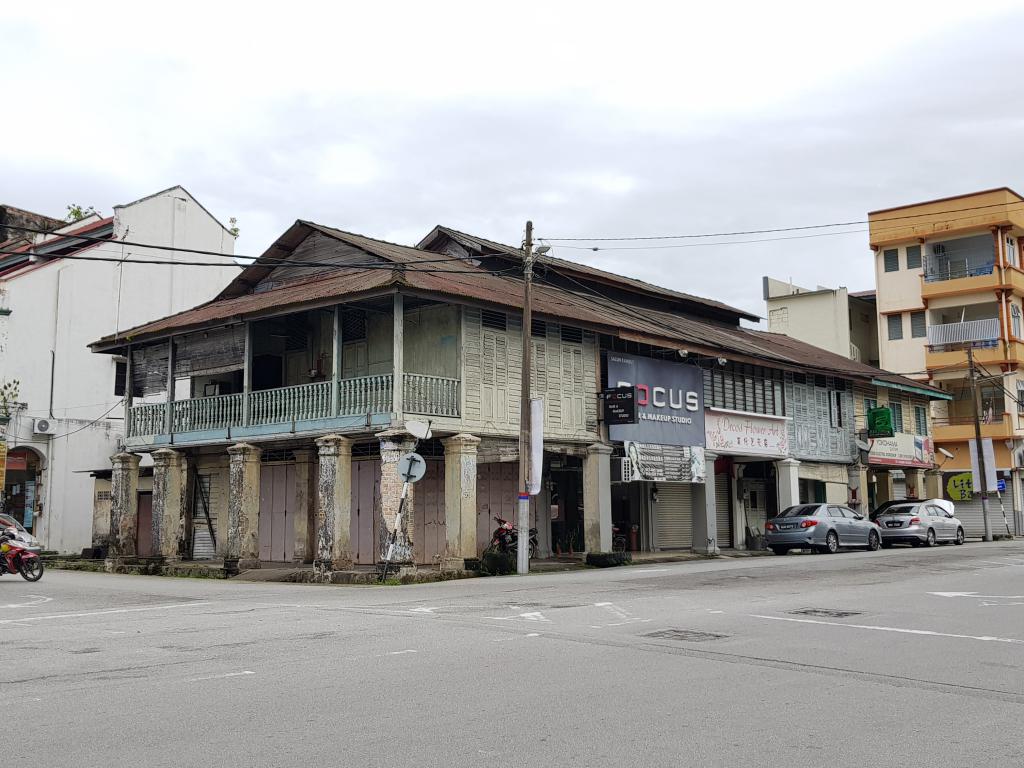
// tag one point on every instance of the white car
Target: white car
(31, 542)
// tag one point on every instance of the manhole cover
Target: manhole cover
(688, 635)
(828, 613)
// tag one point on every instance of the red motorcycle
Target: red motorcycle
(15, 558)
(506, 539)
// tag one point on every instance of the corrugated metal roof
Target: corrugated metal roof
(477, 243)
(588, 308)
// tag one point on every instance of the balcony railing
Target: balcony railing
(936, 270)
(428, 395)
(964, 333)
(298, 403)
(431, 395)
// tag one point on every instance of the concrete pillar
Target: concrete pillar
(124, 505)
(333, 547)
(859, 500)
(169, 503)
(460, 495)
(883, 487)
(242, 550)
(597, 498)
(788, 481)
(739, 517)
(301, 551)
(915, 483)
(933, 484)
(394, 443)
(705, 512)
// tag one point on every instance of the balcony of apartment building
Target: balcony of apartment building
(951, 330)
(953, 420)
(967, 265)
(317, 370)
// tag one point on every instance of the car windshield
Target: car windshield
(801, 510)
(900, 509)
(10, 522)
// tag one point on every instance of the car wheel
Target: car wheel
(873, 542)
(780, 550)
(832, 543)
(929, 539)
(959, 537)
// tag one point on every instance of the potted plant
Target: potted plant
(9, 392)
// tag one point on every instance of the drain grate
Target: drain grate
(688, 635)
(828, 613)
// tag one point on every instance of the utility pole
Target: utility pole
(980, 454)
(523, 507)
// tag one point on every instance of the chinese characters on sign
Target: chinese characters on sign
(728, 432)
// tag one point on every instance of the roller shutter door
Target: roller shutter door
(674, 516)
(969, 513)
(723, 509)
(203, 529)
(899, 489)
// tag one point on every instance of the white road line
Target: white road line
(975, 594)
(900, 630)
(49, 616)
(39, 600)
(399, 653)
(1004, 565)
(221, 677)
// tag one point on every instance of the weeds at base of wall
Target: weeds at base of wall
(608, 559)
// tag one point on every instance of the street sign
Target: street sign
(411, 467)
(880, 422)
(1001, 486)
(619, 405)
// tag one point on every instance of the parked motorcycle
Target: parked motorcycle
(506, 539)
(15, 558)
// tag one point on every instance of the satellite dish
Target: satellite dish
(945, 453)
(863, 446)
(418, 429)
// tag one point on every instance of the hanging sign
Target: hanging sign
(619, 405)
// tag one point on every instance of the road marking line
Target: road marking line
(221, 677)
(975, 594)
(423, 610)
(534, 634)
(39, 601)
(399, 653)
(100, 613)
(900, 630)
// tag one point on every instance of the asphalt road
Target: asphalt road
(905, 658)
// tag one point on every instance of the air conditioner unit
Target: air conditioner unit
(622, 470)
(44, 427)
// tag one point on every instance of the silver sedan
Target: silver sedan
(820, 527)
(921, 523)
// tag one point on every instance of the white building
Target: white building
(57, 295)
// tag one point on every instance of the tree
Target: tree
(77, 212)
(233, 229)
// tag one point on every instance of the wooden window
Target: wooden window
(120, 377)
(497, 321)
(897, 416)
(920, 420)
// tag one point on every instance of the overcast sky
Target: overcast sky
(593, 119)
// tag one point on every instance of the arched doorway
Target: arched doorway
(21, 485)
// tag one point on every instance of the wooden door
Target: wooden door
(277, 523)
(144, 548)
(365, 520)
(428, 521)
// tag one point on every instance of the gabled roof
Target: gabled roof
(172, 189)
(483, 245)
(465, 284)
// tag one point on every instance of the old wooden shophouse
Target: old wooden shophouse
(274, 414)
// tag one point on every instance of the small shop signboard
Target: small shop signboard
(902, 450)
(619, 405)
(746, 434)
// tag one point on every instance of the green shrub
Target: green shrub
(608, 559)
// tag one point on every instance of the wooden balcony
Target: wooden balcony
(323, 405)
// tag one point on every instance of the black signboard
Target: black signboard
(619, 405)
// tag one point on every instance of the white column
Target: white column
(739, 519)
(788, 482)
(460, 495)
(398, 357)
(597, 498)
(705, 512)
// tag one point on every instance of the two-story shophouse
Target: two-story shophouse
(274, 414)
